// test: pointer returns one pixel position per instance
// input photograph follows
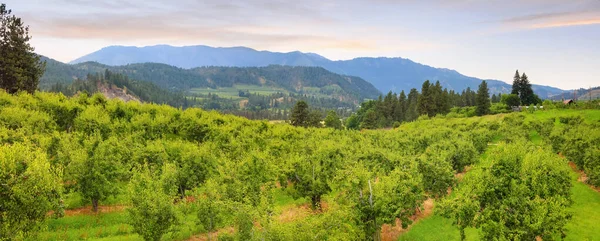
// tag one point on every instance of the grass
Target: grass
(436, 228)
(233, 92)
(113, 226)
(586, 213)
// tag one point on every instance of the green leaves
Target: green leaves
(29, 189)
(152, 213)
(20, 67)
(524, 194)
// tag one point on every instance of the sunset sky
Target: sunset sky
(555, 42)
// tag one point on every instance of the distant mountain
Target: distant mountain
(579, 94)
(293, 79)
(386, 74)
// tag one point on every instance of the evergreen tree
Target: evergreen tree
(412, 105)
(300, 114)
(526, 92)
(425, 101)
(20, 67)
(400, 108)
(516, 86)
(483, 100)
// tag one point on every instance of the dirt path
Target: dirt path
(582, 176)
(88, 210)
(390, 233)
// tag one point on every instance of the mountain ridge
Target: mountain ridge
(295, 79)
(385, 73)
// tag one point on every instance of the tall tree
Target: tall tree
(412, 105)
(516, 86)
(526, 93)
(300, 114)
(400, 109)
(20, 67)
(483, 99)
(426, 102)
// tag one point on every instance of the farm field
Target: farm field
(233, 92)
(155, 172)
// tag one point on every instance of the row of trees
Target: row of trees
(431, 101)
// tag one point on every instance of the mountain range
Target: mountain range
(386, 74)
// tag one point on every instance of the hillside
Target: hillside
(385, 74)
(124, 165)
(298, 80)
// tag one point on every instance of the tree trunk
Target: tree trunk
(95, 205)
(316, 202)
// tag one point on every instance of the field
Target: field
(233, 92)
(161, 173)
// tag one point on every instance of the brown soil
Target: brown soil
(88, 210)
(389, 232)
(213, 235)
(582, 176)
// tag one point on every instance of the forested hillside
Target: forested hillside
(292, 79)
(220, 175)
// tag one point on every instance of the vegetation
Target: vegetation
(20, 67)
(522, 88)
(186, 172)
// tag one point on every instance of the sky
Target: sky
(556, 42)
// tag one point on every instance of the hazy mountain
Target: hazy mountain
(385, 74)
(294, 79)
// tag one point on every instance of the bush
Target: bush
(592, 166)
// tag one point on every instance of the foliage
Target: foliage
(20, 67)
(152, 213)
(333, 121)
(483, 100)
(511, 100)
(29, 188)
(522, 195)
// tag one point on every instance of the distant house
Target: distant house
(568, 102)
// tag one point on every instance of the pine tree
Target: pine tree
(483, 100)
(300, 114)
(516, 86)
(412, 105)
(426, 102)
(526, 92)
(400, 110)
(20, 67)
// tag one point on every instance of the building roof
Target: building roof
(567, 101)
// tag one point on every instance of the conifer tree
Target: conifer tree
(20, 67)
(425, 101)
(526, 92)
(483, 100)
(300, 114)
(516, 86)
(412, 105)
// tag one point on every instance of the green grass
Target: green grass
(585, 224)
(436, 228)
(233, 92)
(113, 226)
